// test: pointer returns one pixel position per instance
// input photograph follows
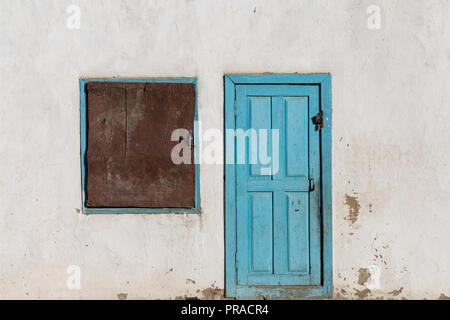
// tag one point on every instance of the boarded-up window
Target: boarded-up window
(128, 156)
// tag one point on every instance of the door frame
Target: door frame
(323, 80)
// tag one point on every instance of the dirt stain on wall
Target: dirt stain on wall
(396, 292)
(353, 208)
(122, 296)
(212, 293)
(363, 276)
(443, 297)
(170, 270)
(362, 294)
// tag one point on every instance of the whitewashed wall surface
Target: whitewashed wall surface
(389, 62)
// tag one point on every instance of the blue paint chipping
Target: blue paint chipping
(256, 205)
(83, 145)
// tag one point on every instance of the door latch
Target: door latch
(318, 120)
(311, 184)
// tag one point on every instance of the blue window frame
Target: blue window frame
(83, 145)
(237, 282)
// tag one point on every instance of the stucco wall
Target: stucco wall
(391, 132)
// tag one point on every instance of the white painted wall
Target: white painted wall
(391, 138)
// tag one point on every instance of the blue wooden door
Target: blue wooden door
(278, 228)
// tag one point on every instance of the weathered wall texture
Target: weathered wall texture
(390, 148)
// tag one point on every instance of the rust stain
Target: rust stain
(396, 292)
(362, 294)
(190, 281)
(353, 208)
(363, 276)
(122, 296)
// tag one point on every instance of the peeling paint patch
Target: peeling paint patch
(443, 297)
(363, 276)
(353, 208)
(362, 294)
(122, 296)
(77, 210)
(396, 292)
(190, 281)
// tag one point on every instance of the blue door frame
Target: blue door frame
(321, 287)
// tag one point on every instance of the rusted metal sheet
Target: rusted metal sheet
(129, 145)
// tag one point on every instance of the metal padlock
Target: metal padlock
(318, 120)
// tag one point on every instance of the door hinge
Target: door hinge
(311, 184)
(318, 120)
